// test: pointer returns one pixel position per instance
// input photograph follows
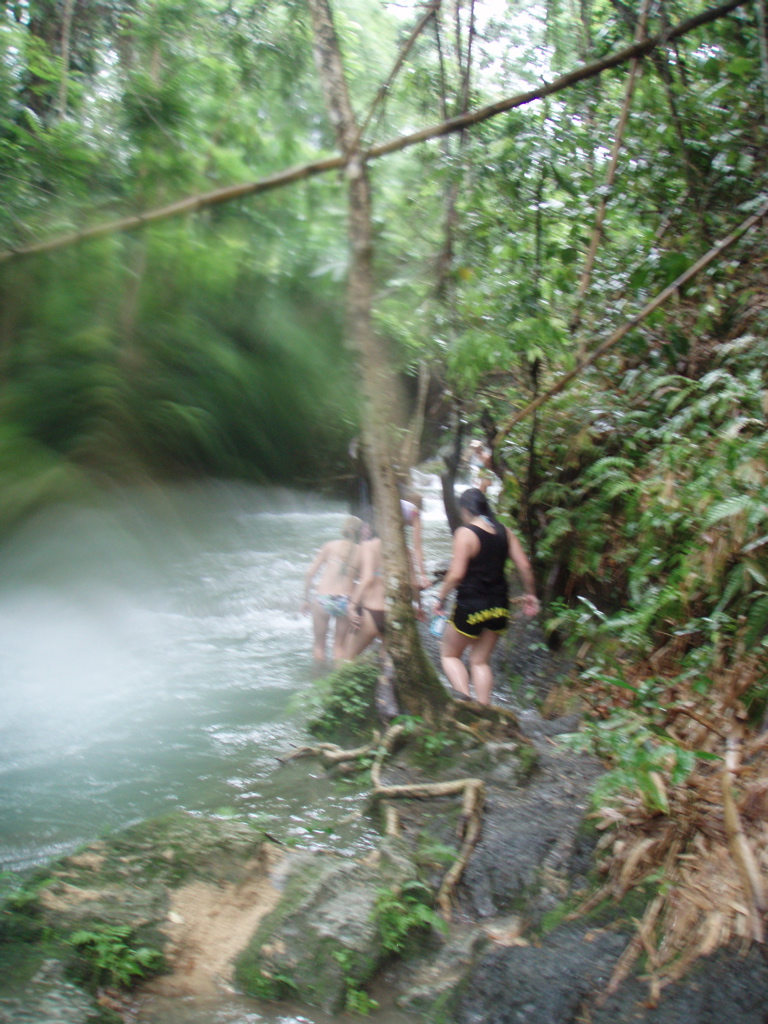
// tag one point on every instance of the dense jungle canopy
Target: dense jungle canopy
(559, 193)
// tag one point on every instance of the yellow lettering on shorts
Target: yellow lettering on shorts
(487, 613)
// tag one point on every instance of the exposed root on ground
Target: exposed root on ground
(331, 754)
(472, 792)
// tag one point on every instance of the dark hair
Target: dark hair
(474, 501)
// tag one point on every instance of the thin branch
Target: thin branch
(381, 95)
(223, 195)
(617, 335)
(597, 231)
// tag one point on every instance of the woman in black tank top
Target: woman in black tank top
(480, 551)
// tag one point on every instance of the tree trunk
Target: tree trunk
(66, 34)
(418, 689)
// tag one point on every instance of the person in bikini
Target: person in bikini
(340, 564)
(481, 547)
(366, 605)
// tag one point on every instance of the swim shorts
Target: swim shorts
(335, 604)
(471, 621)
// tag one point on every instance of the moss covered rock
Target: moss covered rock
(322, 940)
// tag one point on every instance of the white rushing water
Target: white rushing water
(149, 651)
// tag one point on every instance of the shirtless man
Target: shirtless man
(340, 562)
(366, 605)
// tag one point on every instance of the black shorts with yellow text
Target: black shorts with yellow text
(471, 621)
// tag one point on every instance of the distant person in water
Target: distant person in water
(481, 546)
(340, 564)
(411, 504)
(480, 464)
(366, 605)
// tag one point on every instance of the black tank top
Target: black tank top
(485, 577)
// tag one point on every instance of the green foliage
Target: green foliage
(271, 987)
(676, 520)
(357, 1000)
(343, 702)
(641, 758)
(431, 853)
(405, 912)
(434, 748)
(107, 956)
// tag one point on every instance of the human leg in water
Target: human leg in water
(320, 620)
(341, 639)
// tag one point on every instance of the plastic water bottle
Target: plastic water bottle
(437, 625)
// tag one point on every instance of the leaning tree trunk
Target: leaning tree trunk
(418, 688)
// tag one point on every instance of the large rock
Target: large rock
(560, 982)
(322, 938)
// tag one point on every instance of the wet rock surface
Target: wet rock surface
(322, 937)
(215, 894)
(724, 987)
(539, 985)
(48, 997)
(560, 983)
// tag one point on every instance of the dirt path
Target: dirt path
(209, 924)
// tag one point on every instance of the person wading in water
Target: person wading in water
(366, 606)
(340, 562)
(481, 547)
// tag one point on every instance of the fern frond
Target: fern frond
(729, 507)
(757, 621)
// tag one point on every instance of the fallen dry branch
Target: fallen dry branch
(470, 826)
(473, 793)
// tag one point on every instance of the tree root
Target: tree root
(330, 753)
(484, 721)
(471, 790)
(470, 823)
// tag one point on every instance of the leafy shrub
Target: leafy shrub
(357, 999)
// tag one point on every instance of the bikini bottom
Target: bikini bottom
(334, 604)
(377, 614)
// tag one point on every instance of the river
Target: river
(153, 657)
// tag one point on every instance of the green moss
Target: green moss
(528, 759)
(433, 750)
(19, 962)
(442, 1011)
(270, 987)
(555, 917)
(344, 701)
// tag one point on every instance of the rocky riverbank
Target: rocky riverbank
(227, 906)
